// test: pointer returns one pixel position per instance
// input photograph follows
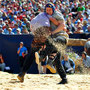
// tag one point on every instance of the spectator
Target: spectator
(11, 24)
(6, 29)
(80, 7)
(74, 10)
(86, 16)
(88, 29)
(1, 22)
(79, 24)
(87, 47)
(28, 26)
(15, 19)
(88, 8)
(70, 26)
(10, 31)
(68, 64)
(79, 30)
(84, 26)
(14, 30)
(4, 16)
(2, 64)
(89, 21)
(1, 30)
(86, 59)
(24, 30)
(22, 52)
(11, 16)
(18, 31)
(20, 25)
(79, 15)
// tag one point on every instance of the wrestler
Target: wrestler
(57, 25)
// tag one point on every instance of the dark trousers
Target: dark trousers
(50, 48)
(29, 59)
(21, 61)
(47, 51)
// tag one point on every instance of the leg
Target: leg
(28, 62)
(44, 69)
(60, 69)
(40, 68)
(21, 61)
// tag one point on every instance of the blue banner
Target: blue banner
(10, 43)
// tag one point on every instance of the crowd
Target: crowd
(15, 15)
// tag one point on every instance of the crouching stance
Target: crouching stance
(50, 36)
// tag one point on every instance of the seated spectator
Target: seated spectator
(80, 7)
(68, 64)
(79, 30)
(88, 28)
(10, 31)
(87, 47)
(18, 31)
(20, 25)
(15, 19)
(86, 16)
(2, 23)
(70, 26)
(24, 30)
(88, 9)
(74, 11)
(86, 59)
(79, 24)
(14, 30)
(2, 64)
(11, 16)
(79, 15)
(4, 16)
(24, 21)
(1, 30)
(11, 24)
(84, 26)
(6, 29)
(28, 26)
(89, 21)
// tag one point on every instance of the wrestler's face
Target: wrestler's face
(49, 11)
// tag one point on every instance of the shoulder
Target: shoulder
(58, 15)
(88, 57)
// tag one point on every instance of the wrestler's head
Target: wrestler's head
(49, 8)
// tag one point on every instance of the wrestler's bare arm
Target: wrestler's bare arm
(54, 21)
(61, 26)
